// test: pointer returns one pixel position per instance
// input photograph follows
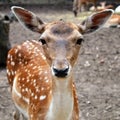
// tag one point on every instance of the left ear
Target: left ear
(96, 21)
(28, 19)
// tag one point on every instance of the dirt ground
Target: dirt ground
(97, 72)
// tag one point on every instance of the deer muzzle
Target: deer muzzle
(60, 68)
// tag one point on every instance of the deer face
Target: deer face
(61, 41)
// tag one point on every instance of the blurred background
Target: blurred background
(97, 72)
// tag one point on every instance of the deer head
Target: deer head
(61, 41)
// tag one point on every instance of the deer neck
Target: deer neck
(61, 106)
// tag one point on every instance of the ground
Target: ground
(97, 72)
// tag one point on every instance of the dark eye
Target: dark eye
(79, 41)
(42, 41)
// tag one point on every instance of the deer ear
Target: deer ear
(28, 19)
(96, 21)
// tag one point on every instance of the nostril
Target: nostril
(60, 72)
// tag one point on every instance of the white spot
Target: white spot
(34, 80)
(23, 79)
(34, 67)
(31, 116)
(12, 72)
(19, 79)
(32, 94)
(19, 55)
(19, 47)
(46, 78)
(47, 81)
(37, 89)
(31, 64)
(9, 56)
(34, 84)
(43, 56)
(45, 72)
(16, 50)
(32, 75)
(26, 70)
(12, 63)
(50, 91)
(28, 80)
(20, 62)
(42, 88)
(42, 97)
(23, 90)
(8, 72)
(26, 89)
(40, 72)
(29, 75)
(36, 97)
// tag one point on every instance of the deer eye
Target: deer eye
(79, 41)
(42, 41)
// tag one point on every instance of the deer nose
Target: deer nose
(61, 72)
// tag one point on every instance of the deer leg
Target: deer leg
(23, 117)
(83, 8)
(16, 115)
(75, 7)
(95, 4)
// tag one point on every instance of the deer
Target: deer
(101, 7)
(80, 5)
(114, 21)
(40, 72)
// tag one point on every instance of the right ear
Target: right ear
(96, 21)
(28, 19)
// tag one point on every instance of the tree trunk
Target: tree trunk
(4, 40)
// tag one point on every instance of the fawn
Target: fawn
(40, 72)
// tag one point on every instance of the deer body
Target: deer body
(40, 72)
(114, 20)
(28, 82)
(78, 4)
